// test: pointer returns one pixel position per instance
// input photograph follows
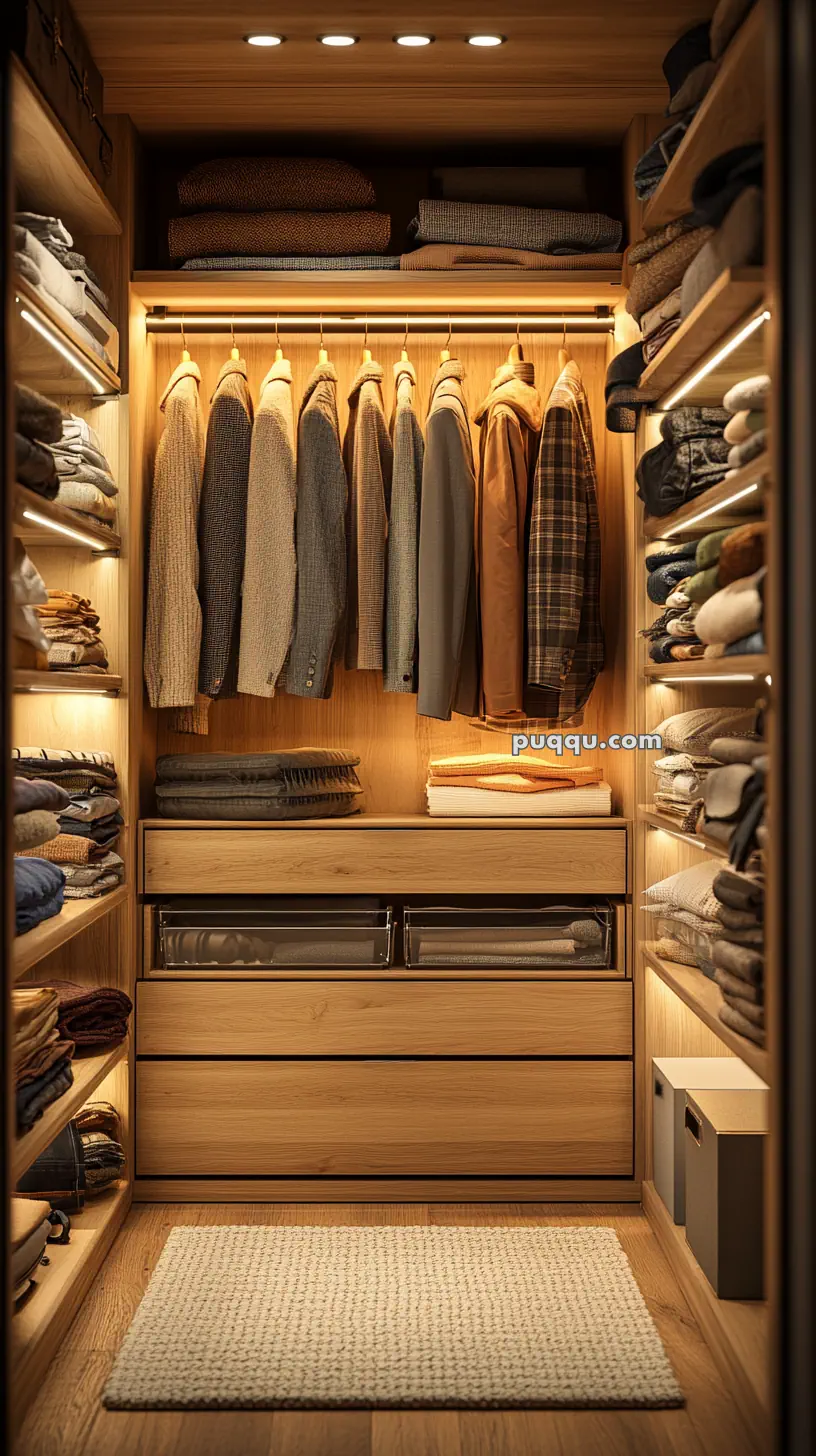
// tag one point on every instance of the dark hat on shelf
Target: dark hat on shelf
(690, 51)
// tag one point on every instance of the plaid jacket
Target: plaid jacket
(564, 635)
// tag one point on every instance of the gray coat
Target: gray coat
(368, 457)
(320, 535)
(400, 670)
(448, 621)
(222, 530)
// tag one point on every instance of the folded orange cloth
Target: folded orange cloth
(68, 849)
(520, 773)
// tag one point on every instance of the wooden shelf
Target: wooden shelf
(704, 998)
(756, 665)
(389, 821)
(655, 820)
(49, 173)
(660, 528)
(50, 935)
(730, 302)
(89, 1071)
(736, 1331)
(34, 534)
(732, 114)
(27, 680)
(42, 1320)
(38, 363)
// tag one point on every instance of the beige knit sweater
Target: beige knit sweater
(173, 628)
(269, 560)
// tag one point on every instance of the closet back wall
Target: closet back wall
(395, 744)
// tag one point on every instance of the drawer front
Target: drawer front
(396, 861)
(285, 1118)
(372, 1018)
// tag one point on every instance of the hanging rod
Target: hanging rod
(159, 320)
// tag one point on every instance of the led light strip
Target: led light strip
(156, 323)
(714, 677)
(86, 692)
(694, 839)
(65, 530)
(711, 511)
(688, 385)
(98, 386)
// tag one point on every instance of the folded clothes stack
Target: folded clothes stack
(747, 428)
(36, 804)
(44, 255)
(682, 772)
(712, 594)
(30, 1230)
(733, 797)
(730, 621)
(72, 628)
(657, 264)
(680, 781)
(41, 1053)
(37, 424)
(39, 892)
(672, 636)
(84, 822)
(692, 456)
(89, 1016)
(86, 483)
(684, 921)
(100, 1132)
(456, 234)
(504, 785)
(279, 213)
(739, 950)
(28, 595)
(727, 197)
(295, 783)
(75, 770)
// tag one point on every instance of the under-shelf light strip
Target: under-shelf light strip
(678, 834)
(717, 677)
(73, 359)
(157, 323)
(711, 511)
(705, 369)
(63, 530)
(86, 692)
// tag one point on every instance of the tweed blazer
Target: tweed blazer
(399, 674)
(173, 625)
(320, 536)
(368, 458)
(448, 646)
(222, 530)
(269, 561)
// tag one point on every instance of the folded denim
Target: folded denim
(32, 1099)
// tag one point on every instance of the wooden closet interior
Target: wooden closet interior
(405, 1085)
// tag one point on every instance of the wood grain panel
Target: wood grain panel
(250, 1018)
(464, 861)
(388, 1192)
(368, 1118)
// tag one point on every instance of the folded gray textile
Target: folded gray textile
(541, 230)
(34, 466)
(301, 767)
(71, 469)
(748, 394)
(745, 646)
(739, 919)
(81, 451)
(250, 801)
(749, 1009)
(36, 416)
(740, 891)
(28, 794)
(88, 808)
(34, 828)
(741, 960)
(752, 936)
(722, 792)
(735, 987)
(747, 450)
(293, 265)
(737, 243)
(734, 1019)
(514, 186)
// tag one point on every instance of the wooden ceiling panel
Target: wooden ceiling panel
(571, 69)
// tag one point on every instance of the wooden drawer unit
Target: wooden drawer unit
(358, 1118)
(376, 1018)
(273, 859)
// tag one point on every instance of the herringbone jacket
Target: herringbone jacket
(399, 675)
(222, 530)
(368, 459)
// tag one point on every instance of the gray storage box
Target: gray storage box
(672, 1078)
(725, 1139)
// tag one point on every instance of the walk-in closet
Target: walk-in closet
(408, 841)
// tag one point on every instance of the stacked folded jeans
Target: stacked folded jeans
(691, 457)
(39, 892)
(276, 212)
(44, 255)
(295, 783)
(747, 429)
(41, 1052)
(684, 919)
(71, 626)
(28, 594)
(37, 424)
(92, 1016)
(100, 1129)
(481, 234)
(739, 951)
(499, 785)
(86, 484)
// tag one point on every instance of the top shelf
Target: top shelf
(50, 175)
(731, 115)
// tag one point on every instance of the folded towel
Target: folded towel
(591, 801)
(276, 184)
(318, 233)
(739, 891)
(537, 230)
(734, 1019)
(91, 1016)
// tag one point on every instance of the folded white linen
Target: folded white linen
(592, 801)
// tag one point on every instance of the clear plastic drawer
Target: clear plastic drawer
(265, 932)
(564, 936)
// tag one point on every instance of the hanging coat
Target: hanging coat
(222, 530)
(173, 621)
(368, 459)
(320, 537)
(268, 607)
(565, 638)
(400, 671)
(448, 648)
(510, 420)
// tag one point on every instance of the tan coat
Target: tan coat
(173, 626)
(510, 420)
(368, 457)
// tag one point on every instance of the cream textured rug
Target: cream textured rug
(315, 1317)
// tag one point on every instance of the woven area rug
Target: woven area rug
(246, 1318)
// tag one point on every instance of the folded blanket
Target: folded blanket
(293, 769)
(276, 184)
(33, 1098)
(75, 450)
(742, 552)
(236, 263)
(740, 919)
(536, 230)
(36, 416)
(34, 829)
(733, 611)
(663, 271)
(38, 892)
(263, 801)
(737, 243)
(318, 233)
(689, 889)
(73, 470)
(88, 499)
(69, 849)
(594, 800)
(749, 394)
(28, 794)
(94, 891)
(683, 626)
(99, 1117)
(91, 1016)
(735, 987)
(739, 891)
(475, 255)
(34, 466)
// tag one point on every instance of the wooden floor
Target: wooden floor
(68, 1420)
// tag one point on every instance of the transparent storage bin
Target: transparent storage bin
(266, 932)
(560, 936)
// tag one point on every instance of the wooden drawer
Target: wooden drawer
(313, 1118)
(375, 1018)
(274, 860)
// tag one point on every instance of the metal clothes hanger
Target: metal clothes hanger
(234, 351)
(322, 355)
(445, 353)
(185, 352)
(278, 349)
(366, 350)
(563, 355)
(516, 353)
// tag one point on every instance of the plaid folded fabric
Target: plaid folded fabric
(538, 230)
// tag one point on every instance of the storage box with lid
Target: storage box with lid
(726, 1133)
(672, 1078)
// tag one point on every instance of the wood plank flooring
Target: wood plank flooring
(68, 1420)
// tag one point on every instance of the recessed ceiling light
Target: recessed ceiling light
(414, 40)
(338, 40)
(264, 40)
(486, 41)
